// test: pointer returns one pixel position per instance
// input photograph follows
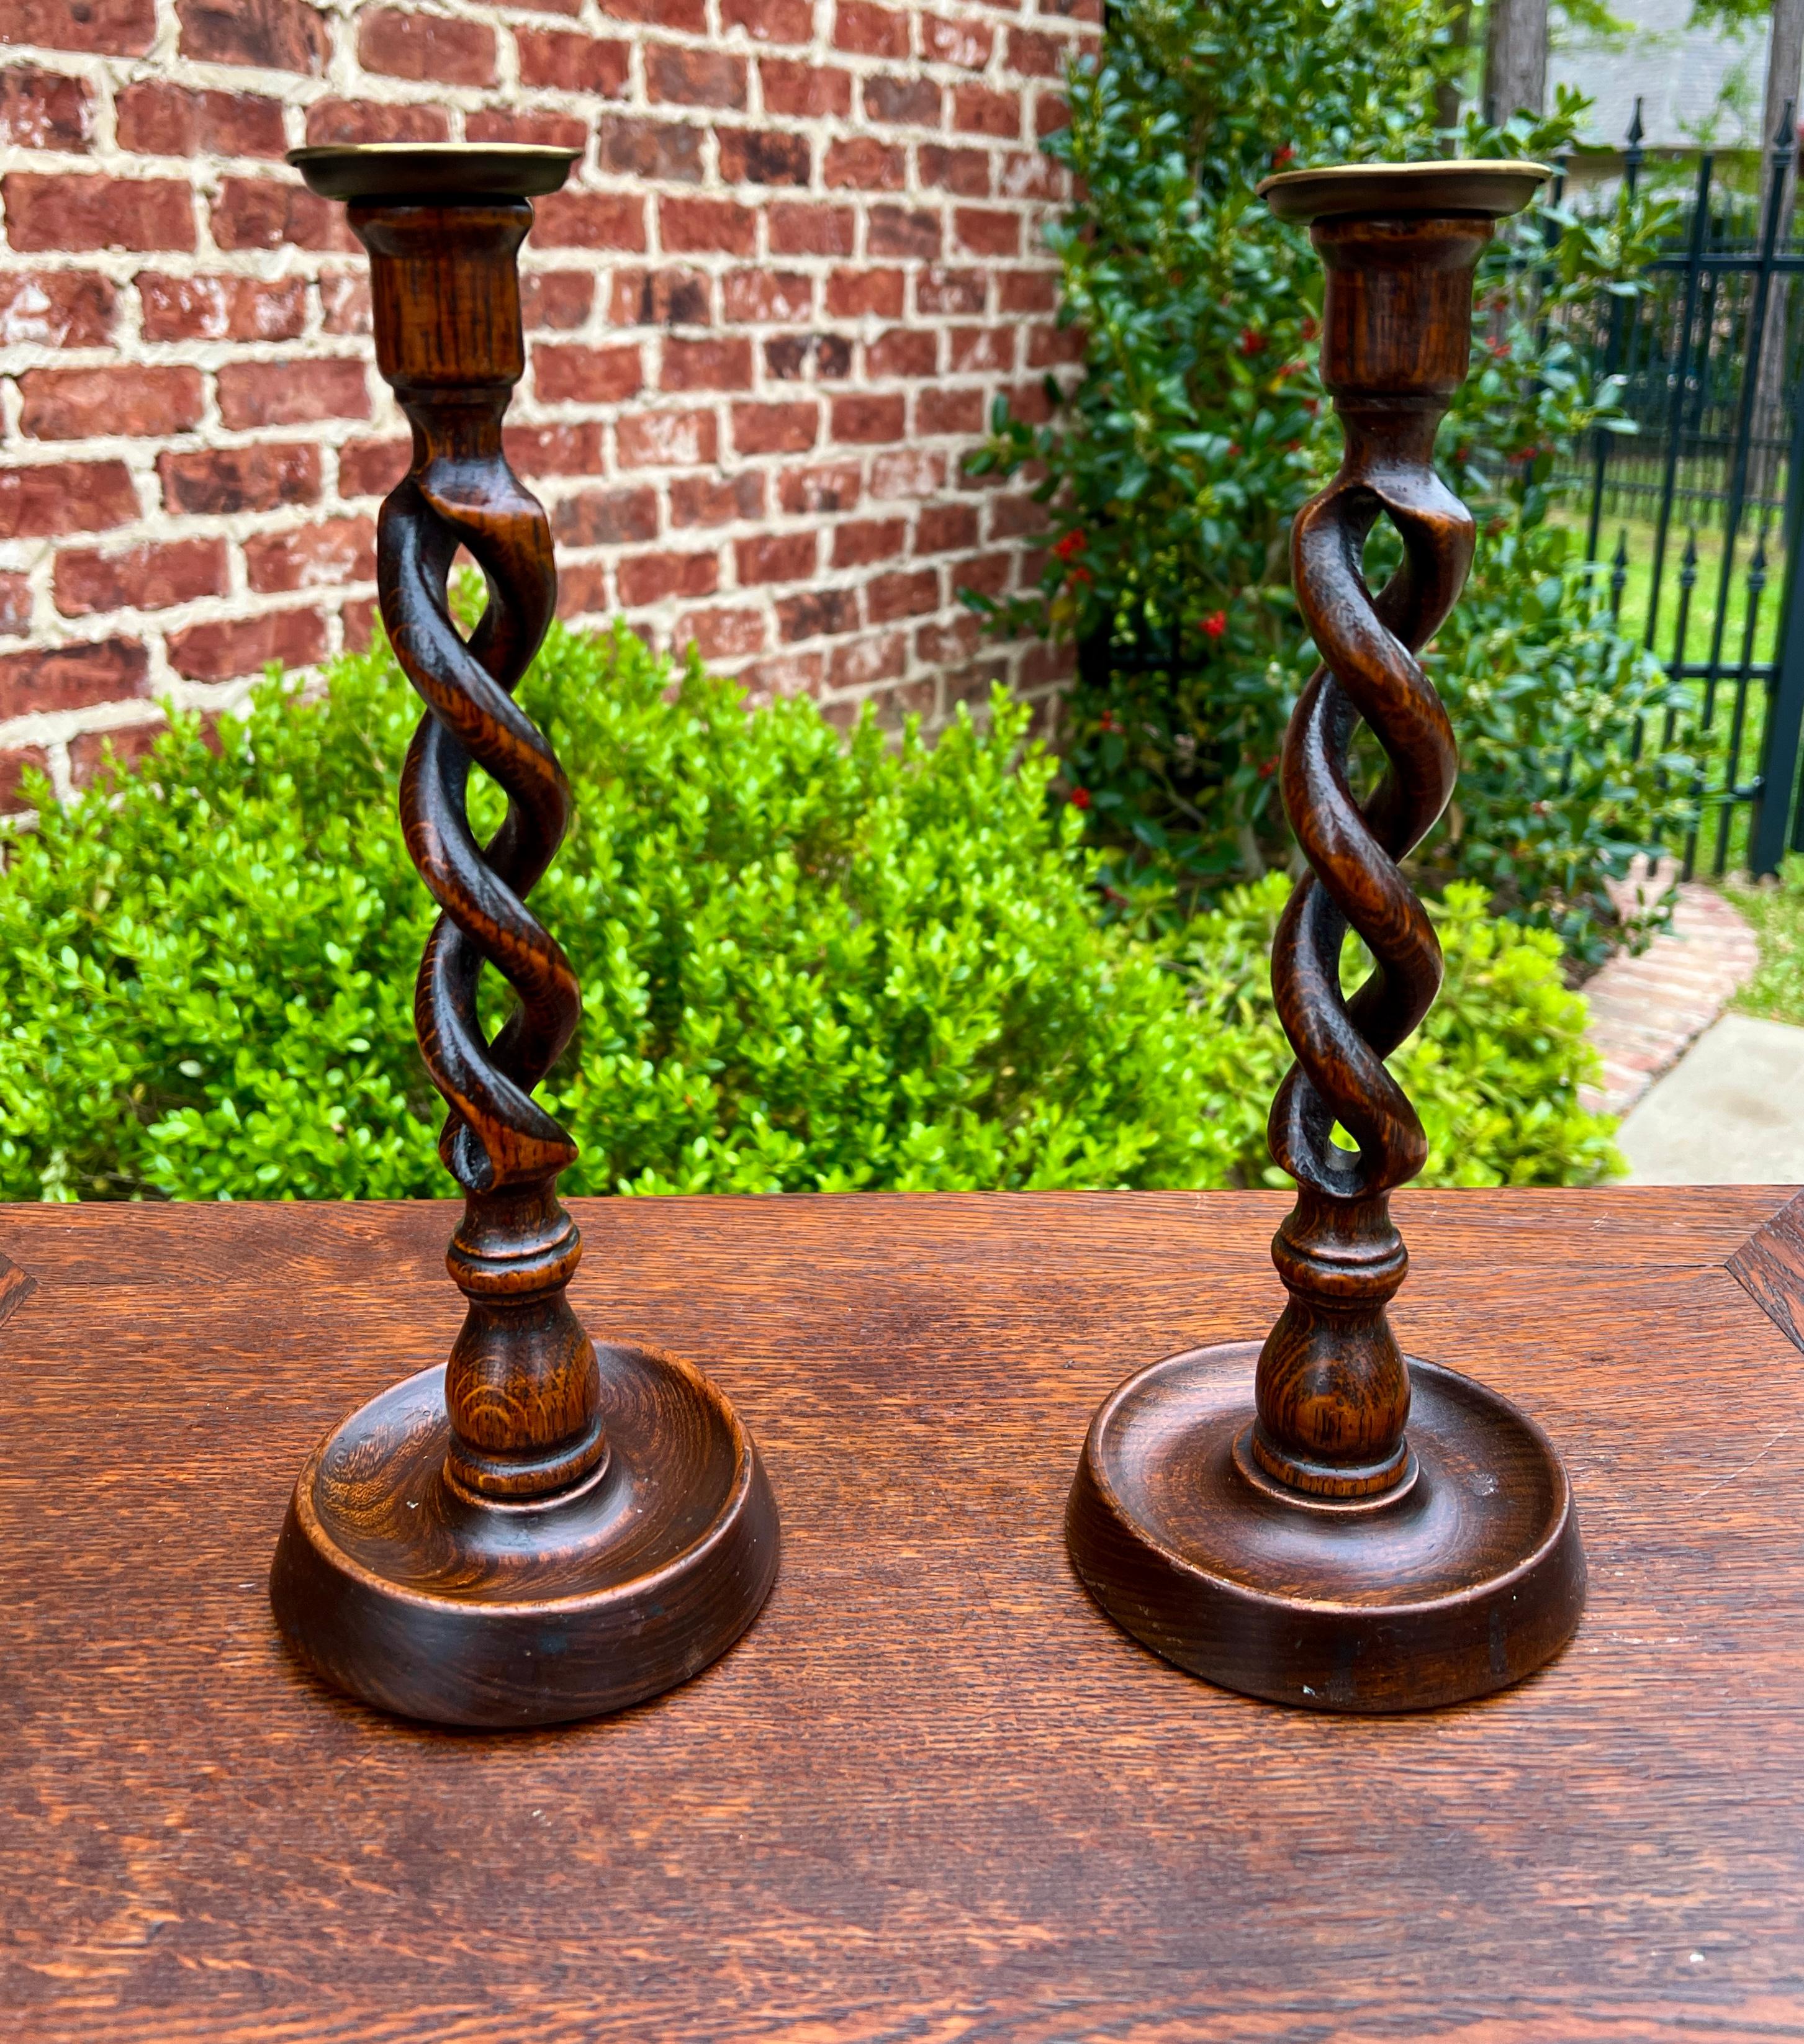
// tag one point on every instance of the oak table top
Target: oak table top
(932, 1796)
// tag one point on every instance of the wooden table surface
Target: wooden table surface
(932, 1796)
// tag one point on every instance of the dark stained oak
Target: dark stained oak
(547, 1527)
(933, 1794)
(1323, 1521)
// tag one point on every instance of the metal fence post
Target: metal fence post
(1785, 722)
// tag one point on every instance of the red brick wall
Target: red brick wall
(767, 318)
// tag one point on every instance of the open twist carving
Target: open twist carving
(495, 1135)
(1369, 645)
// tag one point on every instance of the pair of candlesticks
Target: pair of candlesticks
(549, 1527)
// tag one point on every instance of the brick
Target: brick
(271, 213)
(702, 499)
(570, 375)
(909, 472)
(151, 577)
(793, 355)
(724, 364)
(606, 518)
(94, 753)
(755, 156)
(694, 77)
(540, 126)
(938, 291)
(863, 418)
(939, 643)
(217, 651)
(372, 468)
(666, 439)
(344, 302)
(1038, 55)
(87, 403)
(988, 573)
(865, 164)
(158, 120)
(865, 294)
(945, 529)
(44, 110)
(771, 20)
(215, 308)
(1030, 175)
(864, 540)
(1012, 517)
(809, 92)
(12, 765)
(1051, 347)
(74, 213)
(759, 297)
(271, 35)
(776, 428)
(555, 298)
(720, 634)
(708, 225)
(811, 230)
(287, 394)
(1027, 291)
(65, 497)
(895, 230)
(965, 171)
(651, 578)
(832, 485)
(102, 28)
(436, 49)
(216, 480)
(661, 297)
(986, 230)
(903, 102)
(859, 662)
(589, 220)
(949, 412)
(907, 595)
(55, 308)
(666, 150)
(359, 618)
(966, 43)
(572, 450)
(1050, 114)
(567, 62)
(55, 678)
(974, 350)
(374, 121)
(903, 351)
(15, 605)
(775, 557)
(794, 674)
(868, 31)
(977, 110)
(582, 591)
(323, 556)
(819, 614)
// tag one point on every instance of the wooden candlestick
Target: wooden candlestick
(546, 1528)
(1260, 1514)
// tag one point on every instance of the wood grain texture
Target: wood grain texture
(933, 1795)
(1769, 1266)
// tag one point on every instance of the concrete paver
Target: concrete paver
(1730, 1112)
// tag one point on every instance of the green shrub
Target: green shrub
(807, 964)
(1198, 428)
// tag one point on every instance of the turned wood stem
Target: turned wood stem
(1333, 1390)
(522, 1387)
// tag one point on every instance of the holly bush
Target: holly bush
(1173, 469)
(808, 963)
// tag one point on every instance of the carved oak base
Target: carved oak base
(395, 1584)
(1463, 1577)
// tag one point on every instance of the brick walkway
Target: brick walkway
(1647, 1012)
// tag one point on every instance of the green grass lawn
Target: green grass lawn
(1777, 915)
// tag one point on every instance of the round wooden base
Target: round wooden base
(394, 1585)
(1464, 1578)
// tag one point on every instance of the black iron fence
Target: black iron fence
(1698, 510)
